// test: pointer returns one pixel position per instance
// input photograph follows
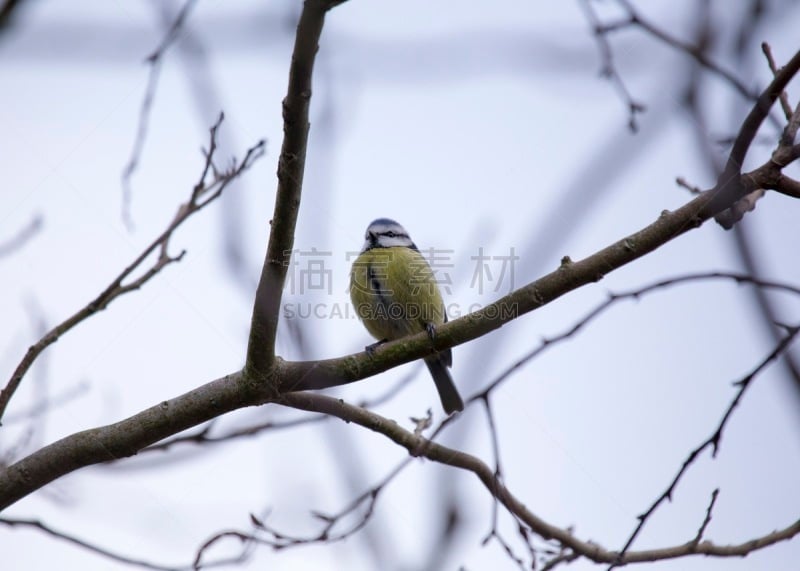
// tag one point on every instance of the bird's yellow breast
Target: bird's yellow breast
(394, 292)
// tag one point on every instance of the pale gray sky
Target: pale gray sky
(475, 126)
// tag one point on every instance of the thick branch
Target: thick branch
(291, 165)
(729, 187)
(7, 10)
(571, 275)
(124, 438)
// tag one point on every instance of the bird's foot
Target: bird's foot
(431, 329)
(370, 349)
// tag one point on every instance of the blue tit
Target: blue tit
(395, 294)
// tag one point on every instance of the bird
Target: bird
(394, 293)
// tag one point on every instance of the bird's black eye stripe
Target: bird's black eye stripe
(390, 234)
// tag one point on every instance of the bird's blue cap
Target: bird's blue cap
(383, 221)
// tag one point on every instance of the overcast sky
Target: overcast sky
(486, 130)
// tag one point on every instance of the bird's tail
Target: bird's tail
(451, 400)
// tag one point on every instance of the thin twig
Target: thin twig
(204, 437)
(784, 99)
(614, 298)
(494, 532)
(118, 287)
(45, 405)
(566, 556)
(608, 68)
(419, 446)
(93, 548)
(23, 235)
(697, 53)
(680, 181)
(154, 60)
(261, 533)
(706, 520)
(712, 441)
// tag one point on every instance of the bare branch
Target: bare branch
(45, 405)
(608, 68)
(124, 438)
(154, 60)
(117, 287)
(173, 33)
(682, 182)
(731, 185)
(730, 216)
(565, 556)
(787, 145)
(263, 534)
(615, 298)
(712, 441)
(494, 532)
(695, 52)
(203, 436)
(419, 446)
(787, 186)
(784, 99)
(108, 554)
(291, 167)
(700, 532)
(8, 10)
(22, 237)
